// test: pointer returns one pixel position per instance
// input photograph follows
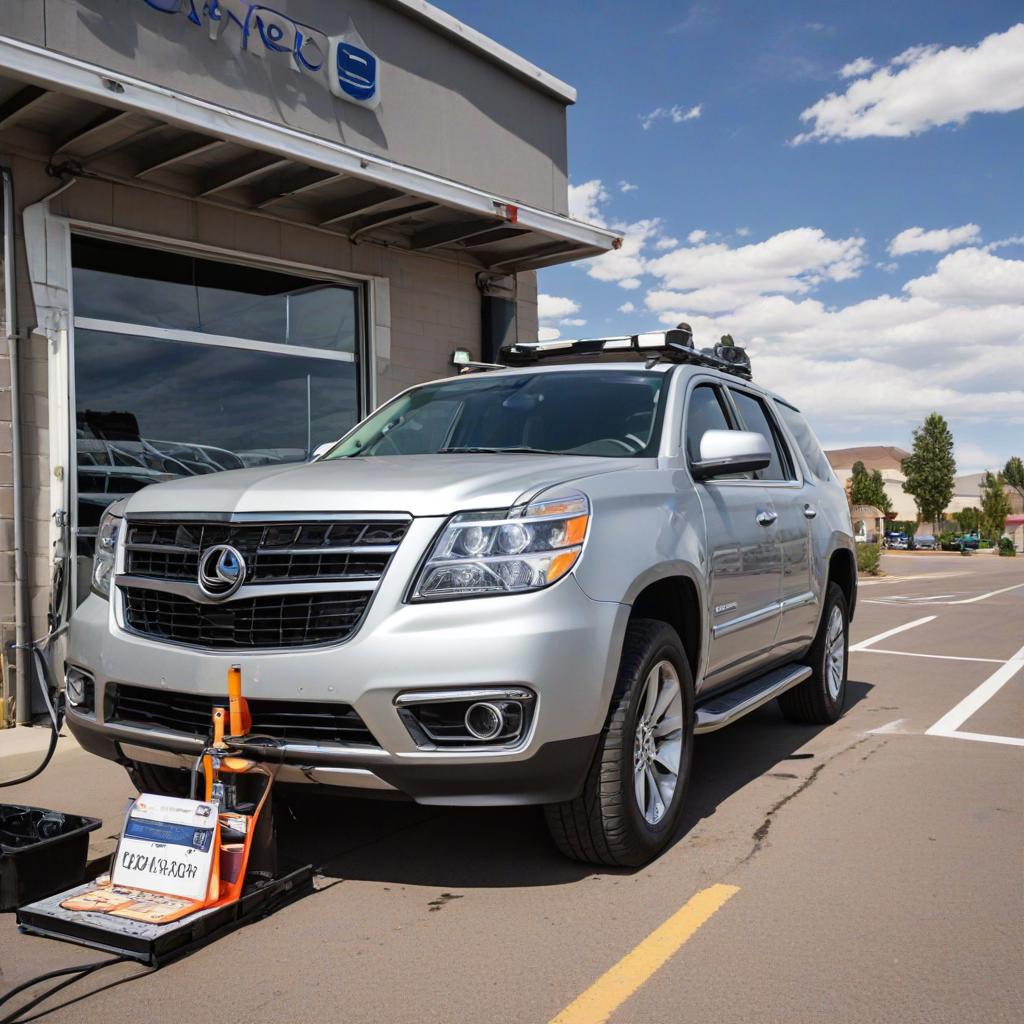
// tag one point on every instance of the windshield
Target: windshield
(603, 413)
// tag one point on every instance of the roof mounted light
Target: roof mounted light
(675, 345)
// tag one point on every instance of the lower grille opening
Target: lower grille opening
(287, 720)
(280, 620)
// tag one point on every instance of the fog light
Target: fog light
(79, 689)
(484, 720)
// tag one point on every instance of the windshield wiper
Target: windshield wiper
(480, 450)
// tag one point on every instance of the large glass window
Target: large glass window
(610, 413)
(186, 366)
(130, 284)
(705, 413)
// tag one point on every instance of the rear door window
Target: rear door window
(756, 417)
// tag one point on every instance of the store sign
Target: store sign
(341, 62)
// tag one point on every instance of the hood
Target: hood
(421, 485)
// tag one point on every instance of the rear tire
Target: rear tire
(820, 699)
(159, 779)
(631, 803)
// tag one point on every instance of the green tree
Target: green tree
(995, 506)
(868, 488)
(1013, 474)
(726, 341)
(930, 469)
(968, 519)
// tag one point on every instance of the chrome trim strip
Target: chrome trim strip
(750, 619)
(707, 721)
(351, 549)
(270, 518)
(798, 600)
(442, 696)
(191, 590)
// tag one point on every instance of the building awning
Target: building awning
(90, 121)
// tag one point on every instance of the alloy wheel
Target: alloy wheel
(658, 742)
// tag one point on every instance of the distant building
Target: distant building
(868, 524)
(888, 460)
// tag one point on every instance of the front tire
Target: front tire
(632, 800)
(820, 699)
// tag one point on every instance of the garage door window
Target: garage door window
(185, 366)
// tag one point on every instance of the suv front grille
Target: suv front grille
(280, 620)
(273, 552)
(286, 720)
(306, 582)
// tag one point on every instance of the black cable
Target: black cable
(79, 971)
(44, 679)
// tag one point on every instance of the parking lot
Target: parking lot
(869, 871)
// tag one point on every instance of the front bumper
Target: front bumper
(557, 642)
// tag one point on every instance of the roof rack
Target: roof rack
(674, 345)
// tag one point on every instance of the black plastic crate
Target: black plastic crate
(41, 852)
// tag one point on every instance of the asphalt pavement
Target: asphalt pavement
(868, 871)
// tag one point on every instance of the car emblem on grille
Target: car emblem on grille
(221, 571)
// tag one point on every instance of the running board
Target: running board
(726, 708)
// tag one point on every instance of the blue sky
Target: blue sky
(689, 121)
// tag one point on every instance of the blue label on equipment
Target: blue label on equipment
(177, 835)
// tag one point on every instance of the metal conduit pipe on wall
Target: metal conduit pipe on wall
(22, 694)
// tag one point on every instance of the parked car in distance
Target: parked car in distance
(897, 540)
(532, 585)
(924, 542)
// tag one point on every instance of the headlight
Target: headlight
(525, 548)
(106, 549)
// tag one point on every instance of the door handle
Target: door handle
(810, 511)
(767, 517)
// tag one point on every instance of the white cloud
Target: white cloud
(627, 307)
(585, 201)
(555, 307)
(923, 87)
(675, 114)
(973, 458)
(885, 362)
(666, 242)
(625, 266)
(856, 68)
(743, 232)
(573, 322)
(627, 186)
(938, 240)
(696, 236)
(972, 277)
(713, 277)
(889, 268)
(548, 333)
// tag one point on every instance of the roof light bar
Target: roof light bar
(674, 345)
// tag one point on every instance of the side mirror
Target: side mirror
(731, 451)
(322, 449)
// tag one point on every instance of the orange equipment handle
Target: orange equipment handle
(218, 728)
(235, 699)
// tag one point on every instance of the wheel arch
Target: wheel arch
(673, 593)
(842, 570)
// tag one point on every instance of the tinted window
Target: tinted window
(601, 413)
(131, 284)
(755, 417)
(806, 441)
(705, 413)
(149, 410)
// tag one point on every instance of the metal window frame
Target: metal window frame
(60, 323)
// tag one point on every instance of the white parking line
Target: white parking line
(907, 599)
(915, 654)
(949, 724)
(890, 632)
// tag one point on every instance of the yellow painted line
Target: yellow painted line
(616, 985)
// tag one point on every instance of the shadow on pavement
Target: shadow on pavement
(404, 843)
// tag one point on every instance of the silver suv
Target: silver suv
(526, 586)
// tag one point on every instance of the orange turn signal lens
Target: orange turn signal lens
(561, 564)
